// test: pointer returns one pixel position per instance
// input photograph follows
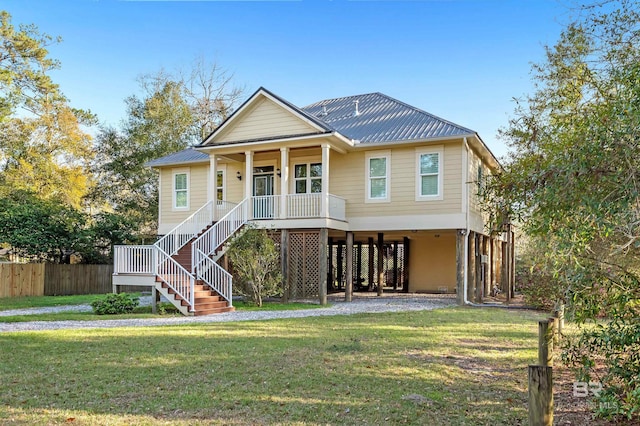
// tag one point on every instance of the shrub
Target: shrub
(256, 266)
(113, 304)
(539, 288)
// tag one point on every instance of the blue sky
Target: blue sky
(463, 60)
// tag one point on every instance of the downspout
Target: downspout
(467, 229)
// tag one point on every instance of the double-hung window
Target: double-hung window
(181, 190)
(378, 173)
(220, 185)
(429, 173)
(307, 178)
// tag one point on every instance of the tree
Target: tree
(44, 230)
(172, 114)
(44, 149)
(572, 181)
(256, 265)
(157, 125)
(210, 94)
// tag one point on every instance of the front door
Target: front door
(263, 200)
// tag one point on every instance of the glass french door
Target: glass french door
(263, 200)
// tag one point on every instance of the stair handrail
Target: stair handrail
(175, 275)
(220, 232)
(186, 230)
(205, 268)
(215, 276)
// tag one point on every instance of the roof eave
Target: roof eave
(368, 145)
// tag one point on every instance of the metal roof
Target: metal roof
(185, 156)
(382, 119)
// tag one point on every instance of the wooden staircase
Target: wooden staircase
(207, 301)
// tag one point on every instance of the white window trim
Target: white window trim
(368, 156)
(175, 172)
(438, 149)
(308, 179)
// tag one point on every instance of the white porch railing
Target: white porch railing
(337, 207)
(297, 206)
(304, 205)
(265, 207)
(134, 260)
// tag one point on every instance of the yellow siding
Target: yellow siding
(198, 182)
(264, 119)
(234, 190)
(348, 180)
(432, 263)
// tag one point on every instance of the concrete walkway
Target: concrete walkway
(363, 304)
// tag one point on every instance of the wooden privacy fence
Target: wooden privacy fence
(21, 279)
(48, 279)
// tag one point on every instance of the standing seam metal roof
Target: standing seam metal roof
(188, 155)
(382, 119)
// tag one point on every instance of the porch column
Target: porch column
(284, 264)
(348, 290)
(284, 181)
(380, 262)
(248, 171)
(471, 267)
(322, 287)
(460, 272)
(325, 180)
(213, 185)
(395, 265)
(405, 271)
(370, 264)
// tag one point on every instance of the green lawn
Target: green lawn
(8, 303)
(140, 312)
(452, 366)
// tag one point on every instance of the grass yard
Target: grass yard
(8, 303)
(139, 312)
(454, 366)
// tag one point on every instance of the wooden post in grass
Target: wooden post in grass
(553, 322)
(545, 343)
(540, 395)
(559, 313)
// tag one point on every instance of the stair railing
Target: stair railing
(168, 269)
(175, 239)
(205, 245)
(176, 277)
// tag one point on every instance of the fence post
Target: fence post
(545, 344)
(540, 395)
(559, 313)
(553, 322)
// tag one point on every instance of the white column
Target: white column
(248, 171)
(213, 185)
(284, 181)
(325, 180)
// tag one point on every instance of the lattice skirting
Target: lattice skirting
(304, 264)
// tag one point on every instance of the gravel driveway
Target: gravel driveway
(367, 304)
